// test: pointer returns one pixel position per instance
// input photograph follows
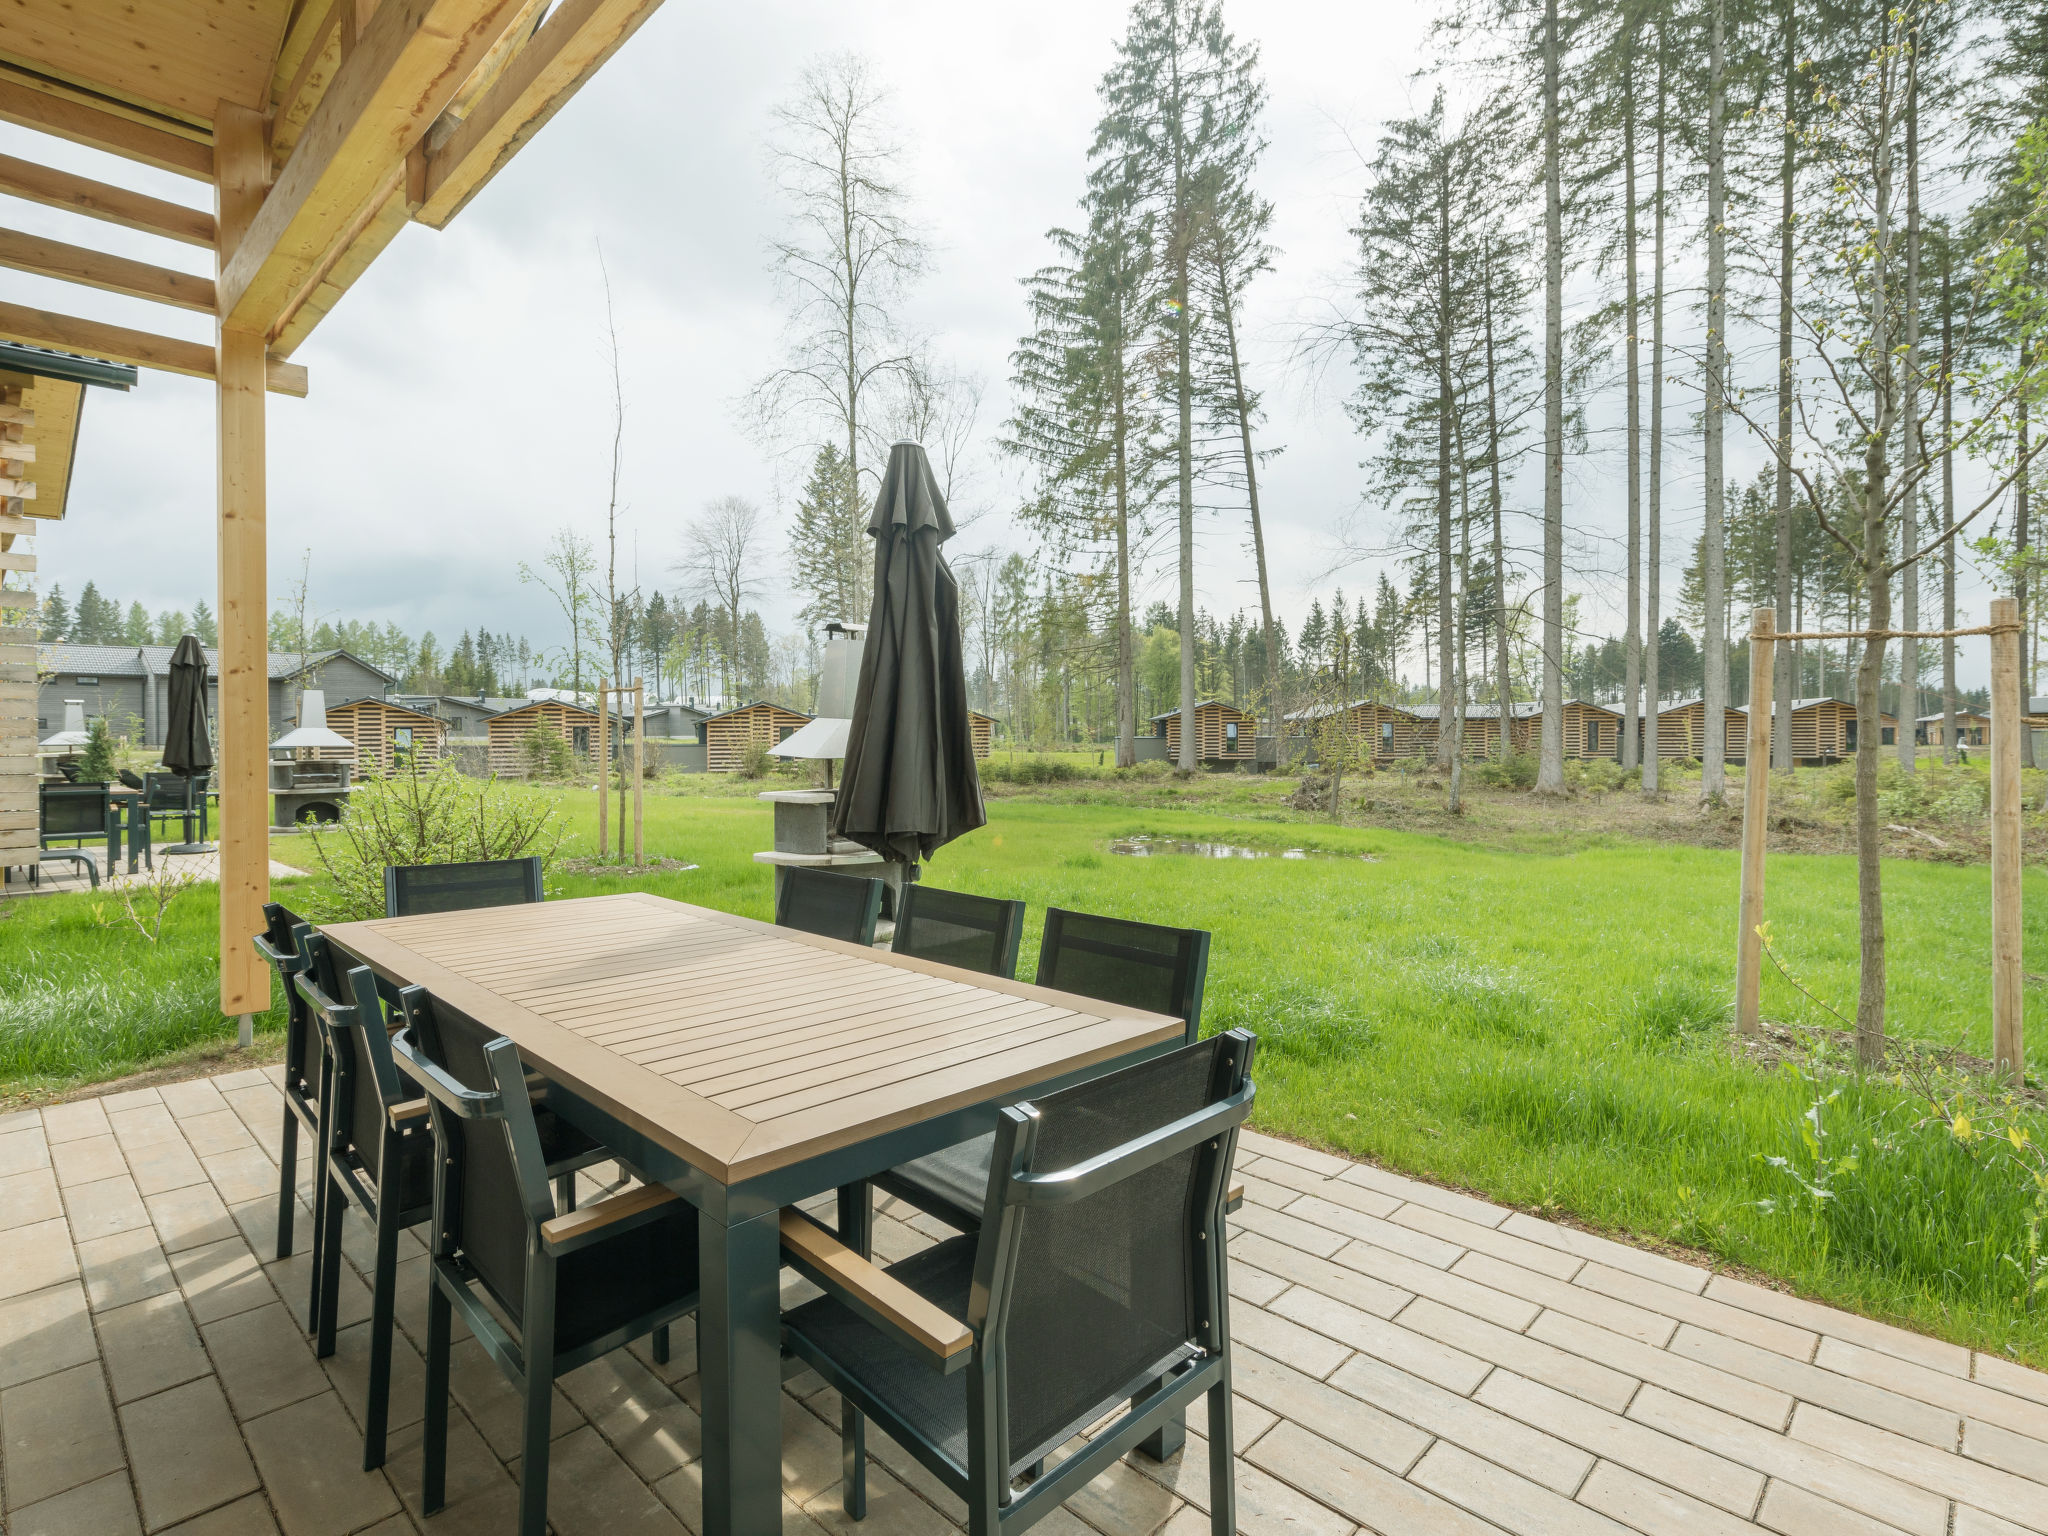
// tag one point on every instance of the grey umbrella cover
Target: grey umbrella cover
(187, 748)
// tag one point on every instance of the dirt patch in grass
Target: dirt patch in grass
(208, 1060)
(1799, 1045)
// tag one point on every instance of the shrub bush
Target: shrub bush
(546, 755)
(1517, 771)
(755, 762)
(96, 763)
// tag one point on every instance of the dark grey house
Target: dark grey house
(129, 686)
(682, 722)
(465, 713)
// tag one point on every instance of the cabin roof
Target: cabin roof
(741, 709)
(1173, 714)
(155, 661)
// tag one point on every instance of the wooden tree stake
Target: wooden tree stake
(2008, 719)
(1756, 806)
(604, 769)
(639, 772)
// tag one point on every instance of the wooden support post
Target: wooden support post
(241, 164)
(639, 772)
(2008, 719)
(604, 788)
(1756, 810)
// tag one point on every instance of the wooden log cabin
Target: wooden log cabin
(385, 734)
(728, 736)
(1682, 731)
(984, 728)
(1394, 732)
(508, 732)
(1590, 730)
(1223, 733)
(1973, 729)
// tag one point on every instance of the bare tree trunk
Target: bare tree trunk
(1182, 236)
(1714, 660)
(1632, 676)
(1550, 766)
(1786, 683)
(1653, 554)
(1948, 504)
(2021, 538)
(1454, 801)
(1276, 702)
(1909, 510)
(1126, 660)
(1446, 407)
(1504, 688)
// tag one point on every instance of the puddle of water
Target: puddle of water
(1148, 847)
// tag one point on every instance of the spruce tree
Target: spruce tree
(56, 624)
(830, 557)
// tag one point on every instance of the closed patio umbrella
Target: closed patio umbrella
(188, 750)
(910, 783)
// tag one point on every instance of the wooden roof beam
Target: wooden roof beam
(97, 269)
(97, 129)
(465, 153)
(98, 200)
(117, 343)
(405, 68)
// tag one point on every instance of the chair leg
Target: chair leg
(434, 1435)
(537, 1403)
(1222, 1460)
(565, 1193)
(853, 1460)
(327, 1272)
(377, 1409)
(287, 1181)
(857, 1217)
(660, 1345)
(1165, 1441)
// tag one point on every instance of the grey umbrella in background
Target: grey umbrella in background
(188, 750)
(910, 783)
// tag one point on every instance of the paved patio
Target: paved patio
(54, 875)
(1410, 1360)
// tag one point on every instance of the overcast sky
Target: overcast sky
(460, 413)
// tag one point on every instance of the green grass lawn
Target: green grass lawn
(1546, 1025)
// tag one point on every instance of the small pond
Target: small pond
(1149, 847)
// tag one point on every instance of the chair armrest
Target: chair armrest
(928, 1331)
(405, 1114)
(594, 1223)
(1233, 1198)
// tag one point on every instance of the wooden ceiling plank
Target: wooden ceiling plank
(81, 124)
(98, 200)
(119, 344)
(96, 269)
(569, 48)
(178, 56)
(411, 59)
(312, 304)
(296, 101)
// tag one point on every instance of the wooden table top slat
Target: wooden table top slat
(740, 1046)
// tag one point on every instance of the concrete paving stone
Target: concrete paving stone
(473, 1473)
(220, 1131)
(1289, 1342)
(1529, 1452)
(1393, 1236)
(1413, 1352)
(44, 1331)
(1703, 1383)
(264, 1360)
(1712, 1479)
(146, 1125)
(2021, 1454)
(1939, 1388)
(310, 1456)
(1702, 1312)
(1604, 1250)
(889, 1502)
(1494, 1240)
(221, 1279)
(39, 1256)
(1467, 1207)
(191, 1217)
(492, 1402)
(1119, 1501)
(1291, 1230)
(59, 1432)
(1255, 1188)
(907, 1469)
(591, 1492)
(1261, 1145)
(1987, 1488)
(638, 1413)
(359, 1238)
(1514, 1503)
(129, 1098)
(27, 1198)
(411, 1305)
(87, 1160)
(165, 1165)
(1791, 1511)
(1537, 1291)
(245, 1517)
(1331, 1279)
(1339, 1416)
(2007, 1376)
(242, 1174)
(348, 1369)
(1186, 1473)
(185, 1453)
(151, 1345)
(194, 1096)
(1815, 1318)
(1489, 1343)
(257, 1220)
(1452, 1287)
(247, 1077)
(1253, 1287)
(24, 1149)
(20, 1120)
(104, 1208)
(810, 1450)
(75, 1121)
(1974, 1522)
(1643, 1504)
(896, 1240)
(124, 1268)
(1817, 1470)
(682, 1492)
(292, 1279)
(1822, 1384)
(1303, 1181)
(105, 1507)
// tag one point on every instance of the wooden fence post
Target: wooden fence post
(1756, 806)
(604, 770)
(639, 772)
(2008, 719)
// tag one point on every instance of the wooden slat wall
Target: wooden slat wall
(509, 730)
(727, 737)
(1211, 744)
(369, 723)
(984, 734)
(19, 839)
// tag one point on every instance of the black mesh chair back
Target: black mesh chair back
(1139, 965)
(977, 933)
(410, 889)
(131, 779)
(831, 905)
(279, 943)
(75, 811)
(366, 1086)
(172, 793)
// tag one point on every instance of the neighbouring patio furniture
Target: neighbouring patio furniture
(976, 933)
(173, 797)
(410, 889)
(787, 1066)
(1142, 965)
(834, 906)
(282, 944)
(572, 1287)
(1097, 1277)
(77, 813)
(131, 823)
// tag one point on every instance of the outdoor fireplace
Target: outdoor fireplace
(310, 782)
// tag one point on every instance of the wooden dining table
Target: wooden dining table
(748, 1067)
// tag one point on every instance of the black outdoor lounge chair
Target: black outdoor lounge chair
(976, 933)
(410, 889)
(174, 797)
(831, 905)
(280, 943)
(573, 1287)
(1097, 1278)
(1140, 965)
(77, 813)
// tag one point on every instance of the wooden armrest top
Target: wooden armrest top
(411, 1109)
(1233, 1197)
(930, 1326)
(586, 1220)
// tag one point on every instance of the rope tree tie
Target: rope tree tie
(2007, 721)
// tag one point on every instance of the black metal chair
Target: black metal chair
(976, 933)
(1097, 1278)
(1139, 965)
(174, 797)
(77, 813)
(832, 905)
(571, 1287)
(410, 889)
(282, 944)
